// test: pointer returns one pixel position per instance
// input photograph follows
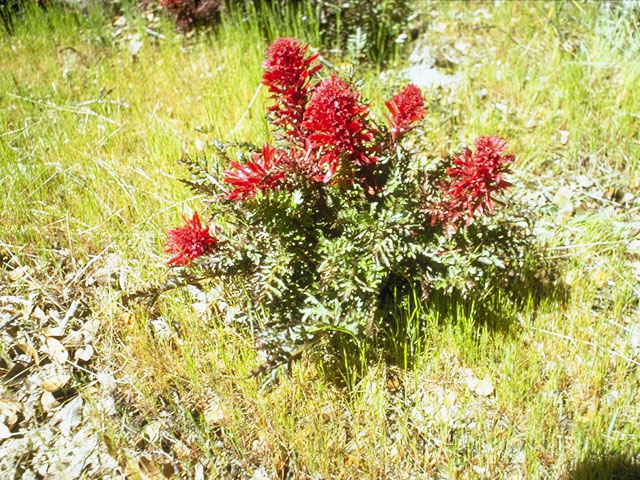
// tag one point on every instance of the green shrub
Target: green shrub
(317, 233)
(188, 14)
(364, 29)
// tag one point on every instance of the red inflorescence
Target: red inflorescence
(189, 242)
(475, 180)
(407, 108)
(287, 73)
(256, 175)
(337, 124)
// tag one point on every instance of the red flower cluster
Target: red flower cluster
(189, 242)
(256, 175)
(475, 179)
(337, 124)
(407, 108)
(287, 73)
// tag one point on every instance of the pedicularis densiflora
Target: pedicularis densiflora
(315, 233)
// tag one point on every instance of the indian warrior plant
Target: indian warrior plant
(314, 234)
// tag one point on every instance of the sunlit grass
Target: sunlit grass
(88, 166)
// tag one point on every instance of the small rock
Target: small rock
(484, 388)
(9, 410)
(17, 273)
(627, 197)
(502, 107)
(213, 412)
(564, 136)
(199, 472)
(4, 431)
(563, 195)
(38, 314)
(135, 45)
(584, 181)
(566, 211)
(480, 387)
(107, 274)
(634, 247)
(83, 354)
(106, 381)
(261, 474)
(69, 416)
(152, 431)
(120, 21)
(55, 383)
(48, 401)
(56, 350)
(424, 76)
(472, 382)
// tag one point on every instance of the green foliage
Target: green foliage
(370, 30)
(325, 259)
(364, 29)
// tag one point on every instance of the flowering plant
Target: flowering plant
(318, 231)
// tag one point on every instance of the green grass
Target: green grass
(89, 141)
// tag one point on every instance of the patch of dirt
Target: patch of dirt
(48, 429)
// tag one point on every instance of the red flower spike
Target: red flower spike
(189, 242)
(287, 73)
(475, 179)
(407, 108)
(256, 175)
(337, 124)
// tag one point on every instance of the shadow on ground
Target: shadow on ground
(405, 322)
(609, 466)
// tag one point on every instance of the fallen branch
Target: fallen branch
(586, 342)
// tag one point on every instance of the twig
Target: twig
(89, 229)
(101, 101)
(103, 140)
(559, 335)
(606, 264)
(327, 63)
(74, 50)
(602, 199)
(580, 245)
(153, 33)
(44, 183)
(513, 39)
(544, 191)
(148, 218)
(70, 313)
(246, 112)
(83, 111)
(600, 34)
(118, 180)
(591, 344)
(85, 370)
(9, 321)
(89, 263)
(623, 327)
(571, 254)
(14, 299)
